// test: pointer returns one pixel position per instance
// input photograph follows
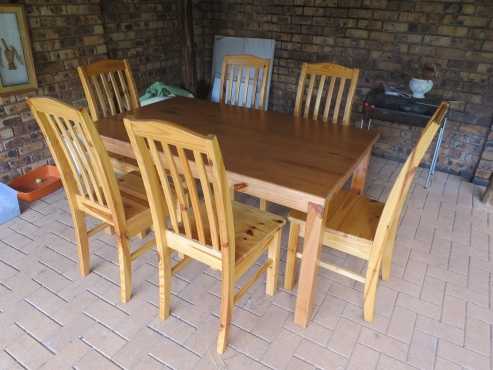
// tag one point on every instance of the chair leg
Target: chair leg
(274, 253)
(125, 263)
(263, 204)
(227, 303)
(294, 231)
(164, 282)
(370, 292)
(82, 242)
(388, 253)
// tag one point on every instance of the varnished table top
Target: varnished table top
(309, 158)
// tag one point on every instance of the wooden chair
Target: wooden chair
(177, 165)
(244, 70)
(109, 87)
(91, 186)
(342, 86)
(365, 228)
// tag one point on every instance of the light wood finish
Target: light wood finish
(177, 165)
(269, 155)
(91, 186)
(358, 226)
(262, 150)
(322, 90)
(247, 70)
(109, 87)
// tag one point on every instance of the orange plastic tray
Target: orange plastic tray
(30, 190)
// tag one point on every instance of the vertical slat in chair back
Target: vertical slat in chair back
(244, 81)
(109, 87)
(391, 213)
(80, 156)
(185, 179)
(326, 91)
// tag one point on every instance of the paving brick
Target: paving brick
(247, 343)
(280, 353)
(344, 337)
(329, 312)
(388, 363)
(384, 344)
(320, 356)
(418, 306)
(363, 358)
(172, 327)
(478, 336)
(447, 276)
(94, 360)
(440, 330)
(462, 356)
(7, 362)
(28, 352)
(442, 364)
(270, 325)
(454, 311)
(433, 291)
(379, 323)
(480, 313)
(69, 355)
(422, 351)
(402, 324)
(468, 295)
(103, 340)
(297, 364)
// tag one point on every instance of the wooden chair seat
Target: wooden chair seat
(354, 221)
(254, 228)
(135, 205)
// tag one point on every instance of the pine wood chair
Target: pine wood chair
(177, 165)
(91, 186)
(363, 227)
(243, 70)
(342, 86)
(109, 87)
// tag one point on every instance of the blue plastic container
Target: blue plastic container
(9, 204)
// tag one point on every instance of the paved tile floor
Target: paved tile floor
(435, 312)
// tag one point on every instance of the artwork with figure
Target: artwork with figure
(16, 67)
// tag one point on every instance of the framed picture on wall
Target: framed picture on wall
(17, 72)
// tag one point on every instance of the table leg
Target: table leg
(434, 160)
(309, 264)
(359, 176)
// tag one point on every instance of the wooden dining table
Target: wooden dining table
(295, 162)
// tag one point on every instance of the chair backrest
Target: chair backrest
(185, 179)
(244, 81)
(333, 85)
(109, 87)
(390, 217)
(88, 178)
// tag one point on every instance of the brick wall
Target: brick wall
(386, 39)
(65, 34)
(146, 33)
